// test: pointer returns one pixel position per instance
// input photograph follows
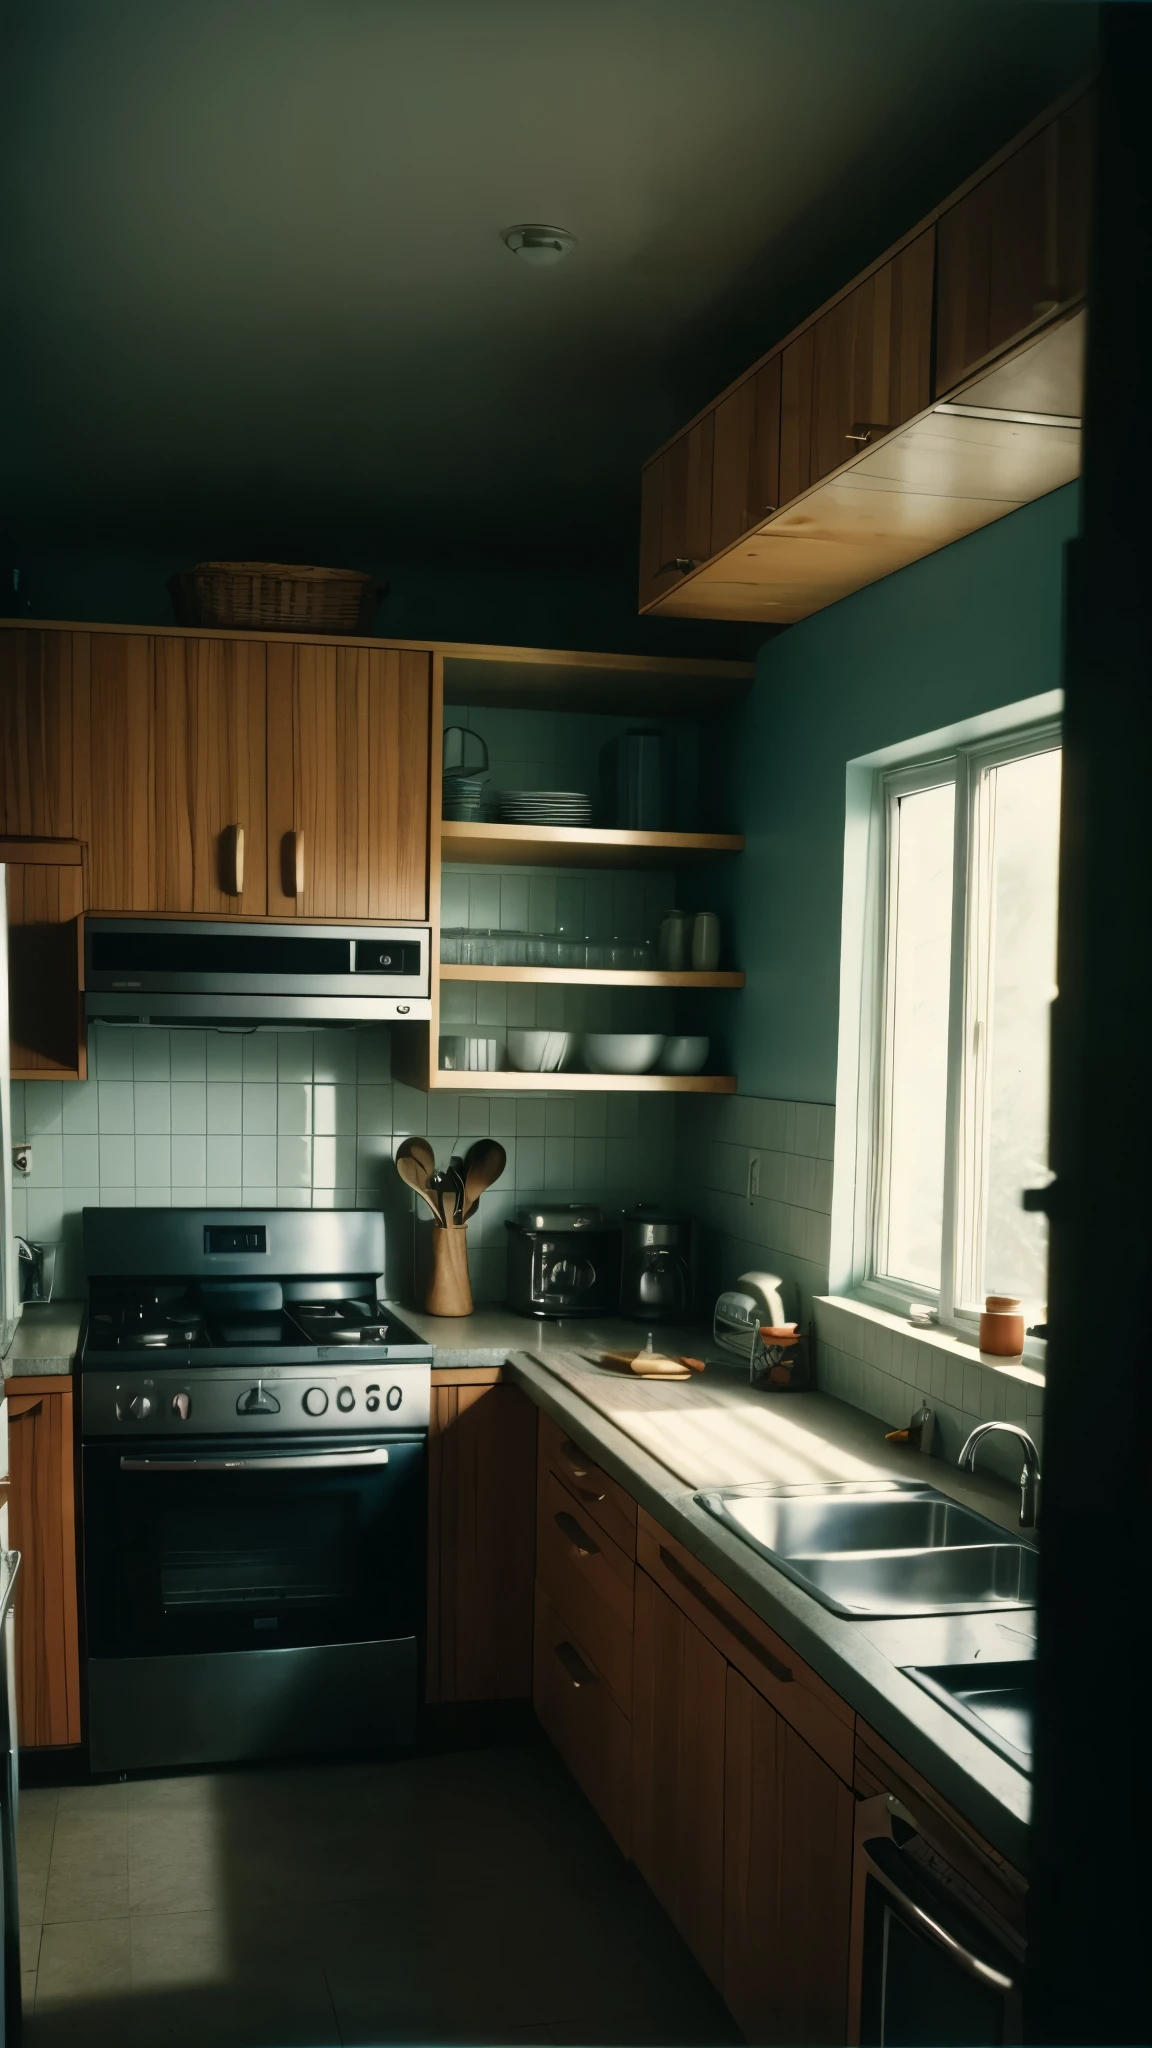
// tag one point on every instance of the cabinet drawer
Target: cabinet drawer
(608, 1503)
(589, 1581)
(799, 1695)
(577, 1711)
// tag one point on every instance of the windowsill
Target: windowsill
(1029, 1369)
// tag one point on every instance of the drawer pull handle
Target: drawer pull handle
(570, 1527)
(747, 1641)
(575, 1666)
(574, 1456)
(586, 1493)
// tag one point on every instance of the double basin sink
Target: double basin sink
(901, 1550)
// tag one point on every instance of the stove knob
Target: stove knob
(139, 1406)
(393, 1398)
(182, 1406)
(345, 1400)
(315, 1401)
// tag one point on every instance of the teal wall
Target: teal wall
(967, 630)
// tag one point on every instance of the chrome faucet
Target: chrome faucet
(1029, 1477)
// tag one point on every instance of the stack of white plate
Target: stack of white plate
(545, 807)
(465, 798)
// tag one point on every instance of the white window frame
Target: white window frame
(858, 1200)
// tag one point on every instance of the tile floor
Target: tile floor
(466, 1897)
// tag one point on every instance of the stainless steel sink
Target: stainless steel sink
(995, 1700)
(881, 1550)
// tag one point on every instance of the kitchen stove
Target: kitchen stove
(254, 1446)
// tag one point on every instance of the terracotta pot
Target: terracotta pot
(449, 1292)
(1002, 1326)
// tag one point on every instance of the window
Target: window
(954, 1099)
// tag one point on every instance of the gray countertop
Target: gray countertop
(664, 1447)
(45, 1341)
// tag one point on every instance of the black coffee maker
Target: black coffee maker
(656, 1264)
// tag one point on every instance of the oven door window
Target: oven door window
(194, 1560)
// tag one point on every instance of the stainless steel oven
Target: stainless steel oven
(254, 1468)
(937, 1935)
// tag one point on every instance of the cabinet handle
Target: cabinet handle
(234, 860)
(586, 1493)
(862, 431)
(23, 1405)
(747, 1641)
(678, 566)
(575, 1666)
(574, 1456)
(570, 1527)
(298, 861)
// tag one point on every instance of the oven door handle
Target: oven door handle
(984, 1973)
(323, 1461)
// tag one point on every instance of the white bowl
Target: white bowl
(538, 1052)
(622, 1052)
(684, 1055)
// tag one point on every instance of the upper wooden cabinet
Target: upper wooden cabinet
(827, 467)
(1015, 247)
(861, 369)
(36, 733)
(45, 888)
(169, 750)
(222, 774)
(746, 455)
(676, 517)
(348, 781)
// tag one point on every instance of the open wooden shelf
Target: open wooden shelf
(648, 1084)
(578, 846)
(558, 679)
(598, 977)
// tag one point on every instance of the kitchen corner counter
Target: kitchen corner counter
(46, 1339)
(734, 1436)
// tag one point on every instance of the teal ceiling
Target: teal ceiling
(252, 269)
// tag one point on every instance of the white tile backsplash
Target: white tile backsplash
(298, 1118)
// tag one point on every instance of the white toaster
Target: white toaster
(740, 1311)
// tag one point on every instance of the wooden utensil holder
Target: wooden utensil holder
(449, 1291)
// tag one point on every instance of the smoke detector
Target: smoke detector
(536, 244)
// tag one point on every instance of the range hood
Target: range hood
(165, 972)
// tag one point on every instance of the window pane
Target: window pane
(917, 1037)
(1022, 986)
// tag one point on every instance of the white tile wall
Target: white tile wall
(888, 1370)
(309, 1119)
(784, 1228)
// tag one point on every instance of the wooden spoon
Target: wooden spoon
(411, 1166)
(485, 1162)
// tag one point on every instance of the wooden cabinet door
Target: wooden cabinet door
(1015, 247)
(42, 1527)
(45, 881)
(170, 762)
(36, 733)
(481, 1543)
(348, 781)
(862, 368)
(676, 510)
(678, 1771)
(746, 455)
(787, 1878)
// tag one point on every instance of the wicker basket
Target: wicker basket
(281, 597)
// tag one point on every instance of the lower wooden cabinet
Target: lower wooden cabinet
(678, 1771)
(576, 1709)
(42, 1527)
(481, 1542)
(787, 1878)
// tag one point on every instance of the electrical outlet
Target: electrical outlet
(22, 1158)
(753, 1177)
